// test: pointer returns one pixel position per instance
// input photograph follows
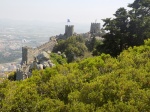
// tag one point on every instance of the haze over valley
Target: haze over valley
(16, 34)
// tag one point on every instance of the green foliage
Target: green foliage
(50, 105)
(58, 59)
(73, 47)
(91, 45)
(12, 76)
(97, 84)
(128, 28)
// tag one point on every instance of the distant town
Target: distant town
(16, 34)
(12, 37)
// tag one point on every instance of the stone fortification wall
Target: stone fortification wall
(48, 46)
(23, 72)
(28, 56)
(19, 74)
(28, 53)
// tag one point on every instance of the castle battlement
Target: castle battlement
(29, 53)
(95, 23)
(69, 30)
(28, 56)
(95, 28)
(70, 26)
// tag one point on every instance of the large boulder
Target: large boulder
(45, 64)
(40, 67)
(35, 66)
(43, 56)
(51, 64)
(59, 53)
(49, 52)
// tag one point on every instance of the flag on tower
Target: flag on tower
(68, 20)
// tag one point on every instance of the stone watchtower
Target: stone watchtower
(69, 30)
(27, 55)
(95, 28)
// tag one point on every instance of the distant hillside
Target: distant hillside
(7, 57)
(47, 28)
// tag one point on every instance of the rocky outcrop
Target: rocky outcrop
(41, 61)
(43, 56)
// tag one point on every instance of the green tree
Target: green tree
(58, 59)
(73, 47)
(101, 83)
(128, 28)
(139, 24)
(12, 76)
(115, 40)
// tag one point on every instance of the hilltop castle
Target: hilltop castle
(69, 30)
(95, 28)
(29, 54)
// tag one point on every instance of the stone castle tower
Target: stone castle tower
(29, 53)
(26, 54)
(95, 28)
(69, 30)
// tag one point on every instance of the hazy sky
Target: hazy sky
(79, 11)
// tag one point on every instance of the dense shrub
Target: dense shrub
(97, 84)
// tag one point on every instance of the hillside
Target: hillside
(98, 84)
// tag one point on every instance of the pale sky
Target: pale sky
(78, 11)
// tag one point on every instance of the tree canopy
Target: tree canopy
(101, 83)
(128, 28)
(73, 47)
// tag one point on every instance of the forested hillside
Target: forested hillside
(98, 84)
(115, 79)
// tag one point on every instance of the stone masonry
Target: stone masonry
(29, 54)
(95, 28)
(69, 30)
(28, 57)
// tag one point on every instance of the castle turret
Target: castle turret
(69, 30)
(95, 28)
(27, 55)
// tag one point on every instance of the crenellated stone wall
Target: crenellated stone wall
(29, 53)
(48, 46)
(28, 56)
